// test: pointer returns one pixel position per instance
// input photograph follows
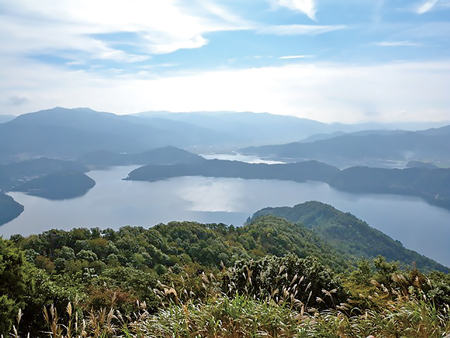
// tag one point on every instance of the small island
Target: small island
(58, 186)
(298, 172)
(9, 209)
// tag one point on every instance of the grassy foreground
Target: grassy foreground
(242, 316)
(196, 306)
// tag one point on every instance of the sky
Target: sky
(329, 60)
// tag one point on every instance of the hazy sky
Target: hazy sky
(329, 60)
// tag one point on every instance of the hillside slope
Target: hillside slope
(348, 234)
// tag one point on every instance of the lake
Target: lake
(113, 203)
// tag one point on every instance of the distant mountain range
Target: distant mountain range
(71, 133)
(432, 144)
(67, 133)
(264, 128)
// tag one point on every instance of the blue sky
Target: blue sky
(329, 60)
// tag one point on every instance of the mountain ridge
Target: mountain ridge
(394, 145)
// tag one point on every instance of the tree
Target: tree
(14, 281)
(87, 255)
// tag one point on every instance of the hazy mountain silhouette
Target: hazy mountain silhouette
(70, 133)
(64, 132)
(422, 165)
(6, 118)
(433, 144)
(264, 128)
(251, 128)
(161, 156)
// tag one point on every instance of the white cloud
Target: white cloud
(196, 41)
(159, 65)
(66, 28)
(305, 6)
(426, 6)
(326, 92)
(300, 29)
(295, 57)
(76, 63)
(396, 44)
(121, 56)
(81, 31)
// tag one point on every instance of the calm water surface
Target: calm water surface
(113, 203)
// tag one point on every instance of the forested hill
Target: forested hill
(348, 234)
(433, 185)
(299, 172)
(58, 186)
(179, 243)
